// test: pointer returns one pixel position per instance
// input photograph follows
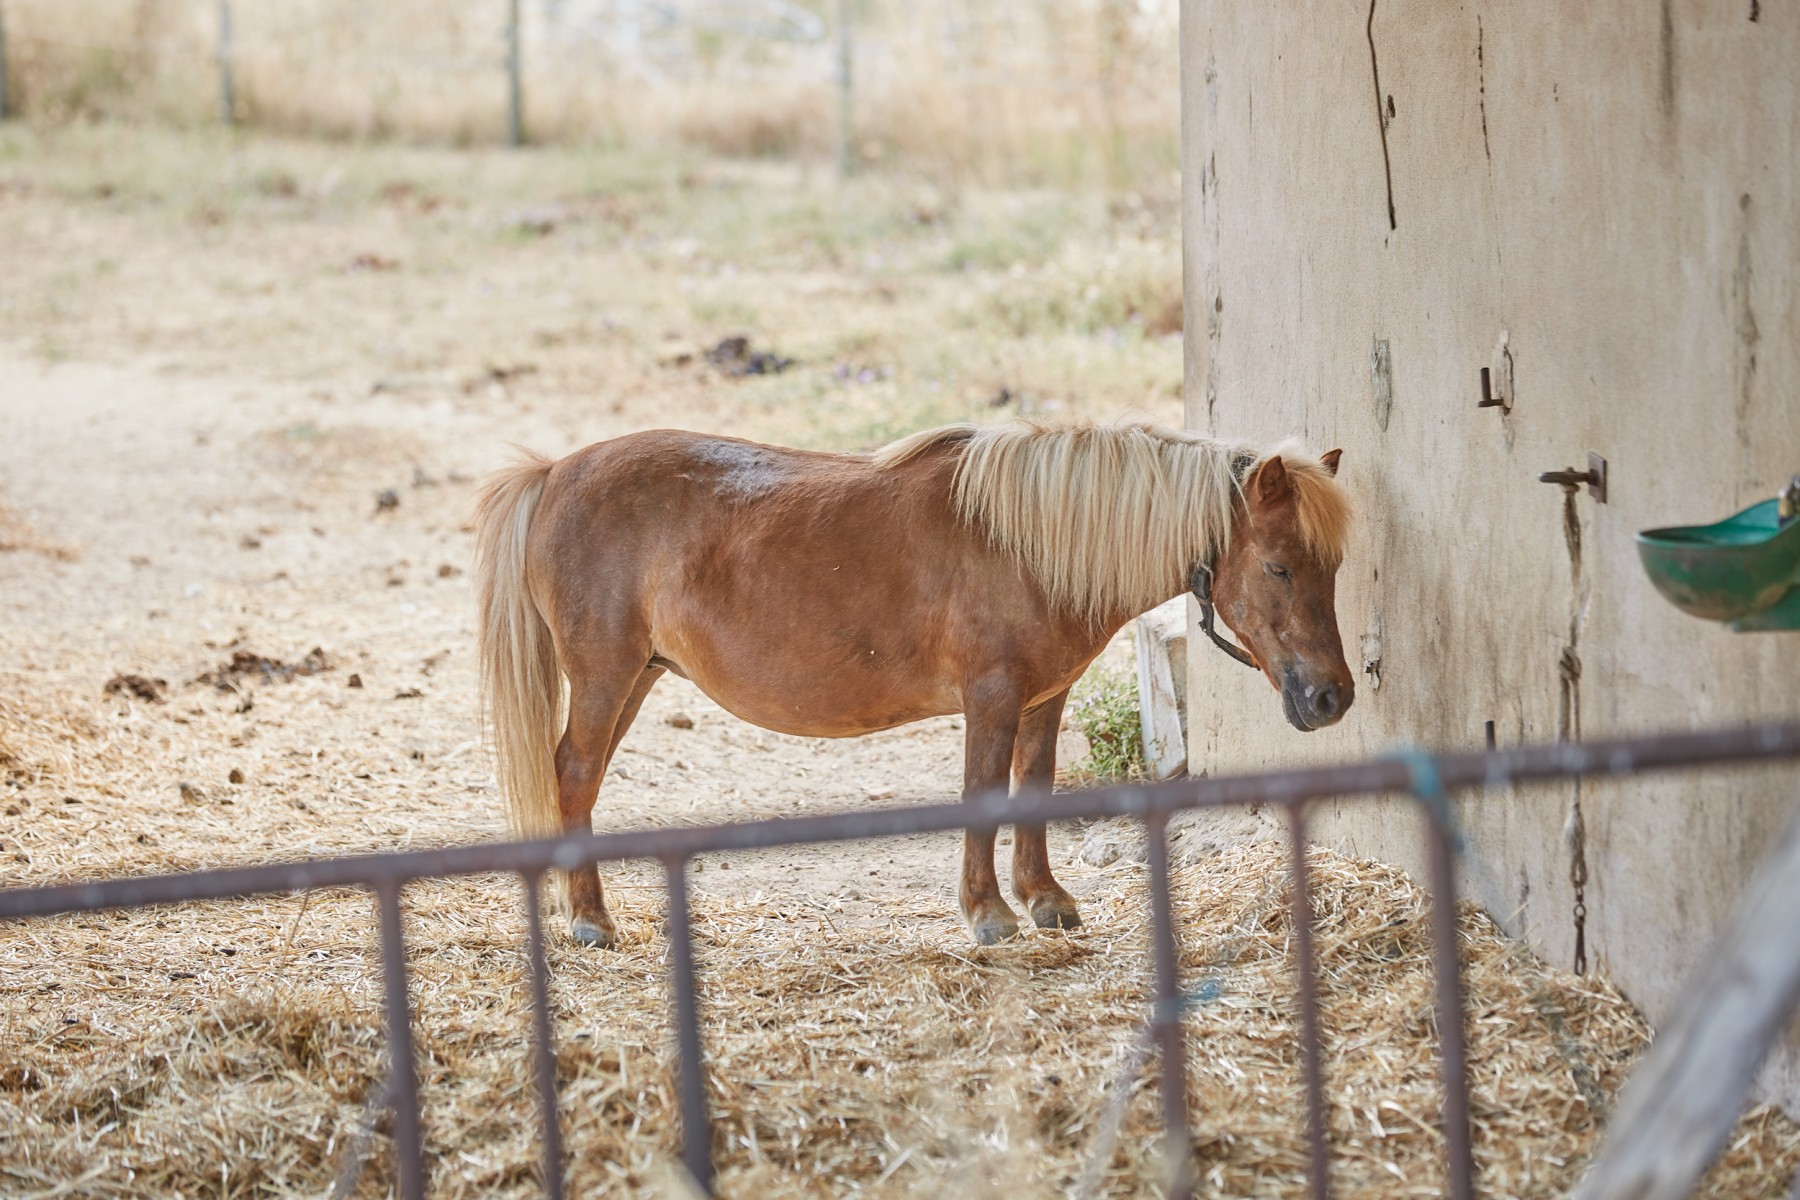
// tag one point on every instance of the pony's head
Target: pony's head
(1115, 519)
(1275, 584)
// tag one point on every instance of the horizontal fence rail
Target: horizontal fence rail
(1428, 778)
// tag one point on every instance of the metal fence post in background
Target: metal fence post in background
(515, 94)
(846, 153)
(2, 62)
(227, 101)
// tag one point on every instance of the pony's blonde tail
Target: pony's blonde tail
(520, 683)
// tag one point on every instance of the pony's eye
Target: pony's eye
(1277, 570)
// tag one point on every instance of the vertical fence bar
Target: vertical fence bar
(541, 1033)
(846, 153)
(690, 1069)
(227, 98)
(1167, 1019)
(403, 1084)
(515, 88)
(2, 60)
(1448, 966)
(1318, 1165)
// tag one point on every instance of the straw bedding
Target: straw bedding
(233, 1049)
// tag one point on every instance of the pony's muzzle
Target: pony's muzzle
(1311, 706)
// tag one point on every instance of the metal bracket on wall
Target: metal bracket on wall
(1497, 376)
(1594, 476)
(1489, 398)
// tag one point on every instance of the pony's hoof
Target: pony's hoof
(592, 933)
(1058, 914)
(994, 928)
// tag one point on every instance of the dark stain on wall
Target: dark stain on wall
(1381, 377)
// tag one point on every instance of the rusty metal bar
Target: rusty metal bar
(1448, 968)
(1515, 765)
(1166, 1022)
(690, 1067)
(403, 1084)
(1318, 1169)
(1442, 844)
(543, 1038)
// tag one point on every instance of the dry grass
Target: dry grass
(598, 274)
(45, 737)
(971, 89)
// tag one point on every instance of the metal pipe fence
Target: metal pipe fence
(1428, 778)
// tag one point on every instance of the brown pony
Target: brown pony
(963, 569)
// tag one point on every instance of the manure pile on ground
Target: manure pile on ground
(879, 1059)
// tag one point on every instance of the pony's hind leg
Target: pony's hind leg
(993, 724)
(1034, 766)
(599, 714)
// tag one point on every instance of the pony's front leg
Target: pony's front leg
(993, 725)
(1034, 766)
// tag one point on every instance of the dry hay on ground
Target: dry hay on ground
(46, 732)
(879, 1059)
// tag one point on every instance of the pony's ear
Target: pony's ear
(1270, 483)
(1329, 460)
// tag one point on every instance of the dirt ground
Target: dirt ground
(247, 389)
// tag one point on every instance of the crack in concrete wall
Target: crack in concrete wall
(1481, 80)
(1744, 319)
(1382, 114)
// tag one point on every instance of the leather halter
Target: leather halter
(1200, 581)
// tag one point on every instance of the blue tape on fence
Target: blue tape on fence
(1428, 789)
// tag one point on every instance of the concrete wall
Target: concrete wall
(1601, 199)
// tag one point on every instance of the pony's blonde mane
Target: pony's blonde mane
(1110, 518)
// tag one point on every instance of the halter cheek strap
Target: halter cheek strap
(1200, 581)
